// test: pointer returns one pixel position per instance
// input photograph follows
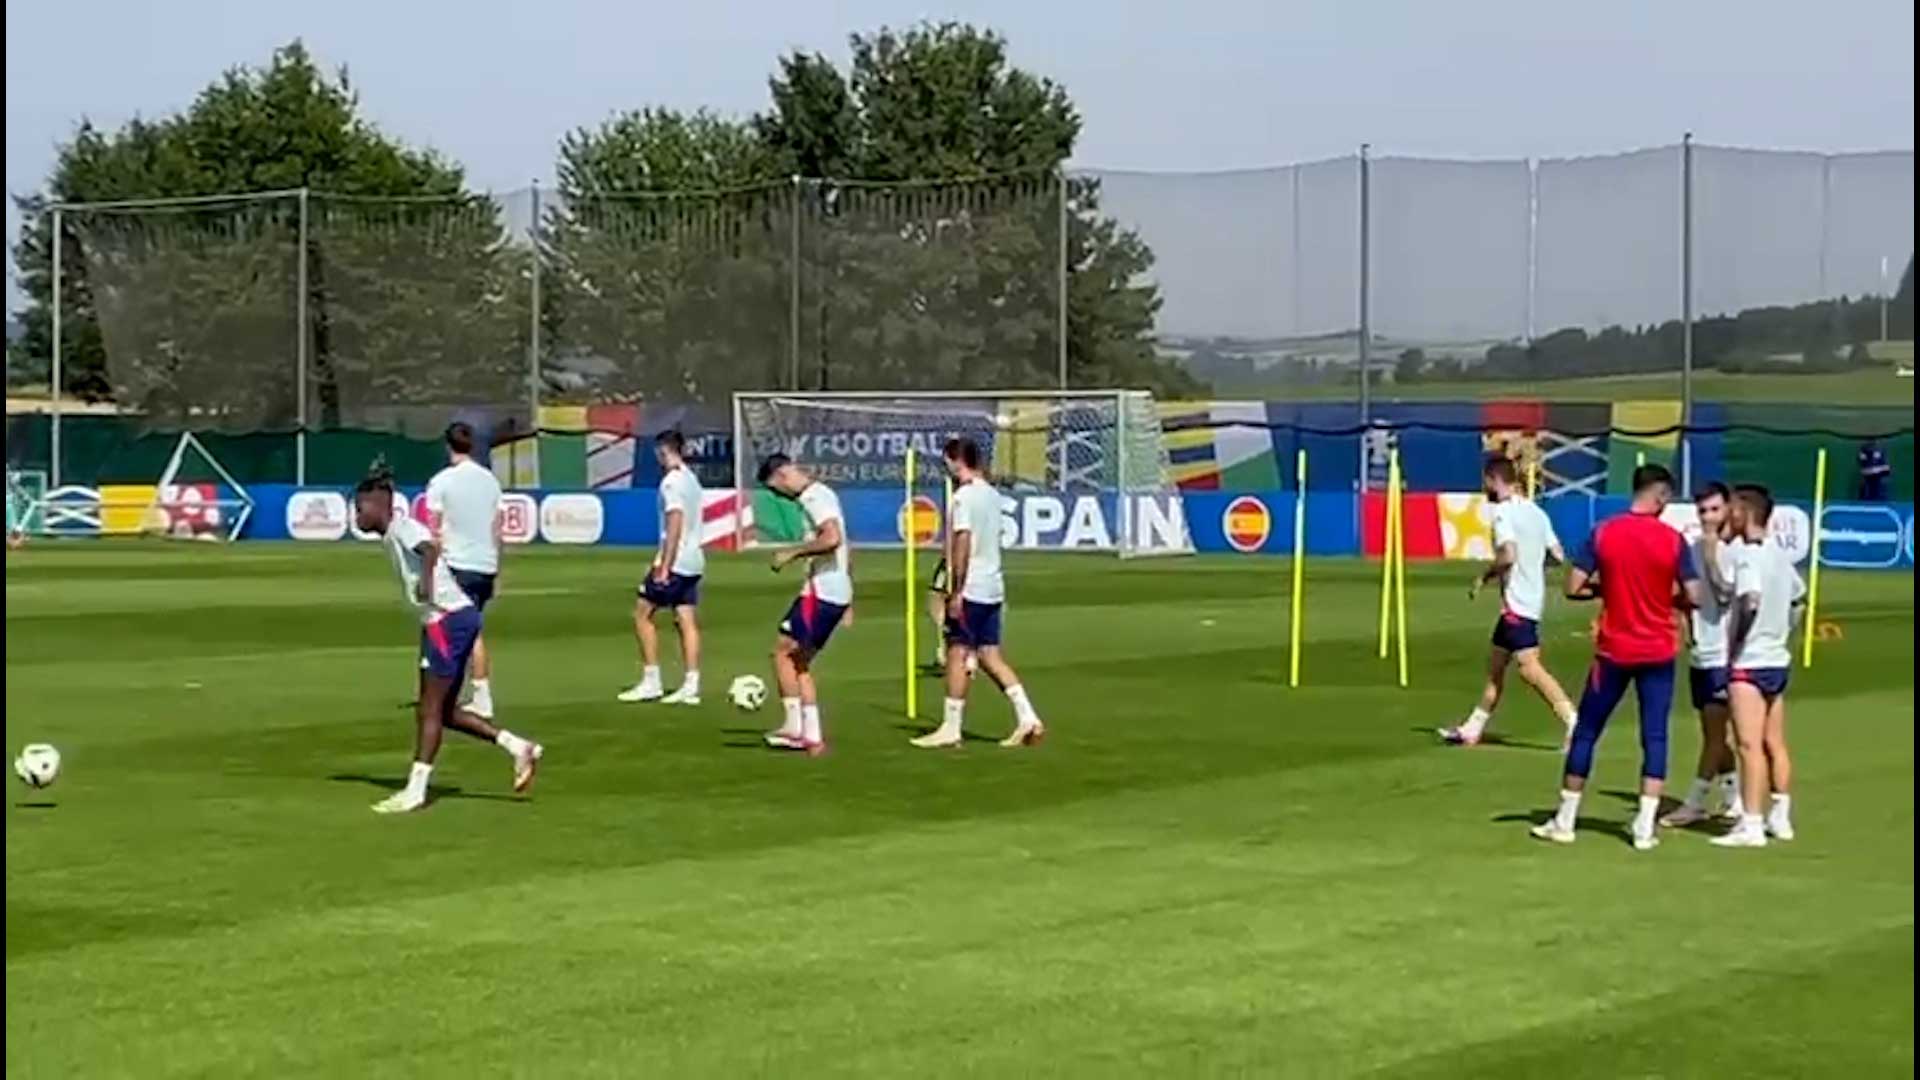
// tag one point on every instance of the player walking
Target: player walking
(1716, 558)
(1523, 544)
(1634, 563)
(976, 592)
(450, 626)
(673, 582)
(1767, 589)
(464, 501)
(824, 600)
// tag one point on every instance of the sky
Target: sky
(1192, 85)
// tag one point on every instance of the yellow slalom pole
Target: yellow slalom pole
(1299, 559)
(913, 615)
(1813, 571)
(1639, 458)
(1386, 555)
(1533, 478)
(1400, 560)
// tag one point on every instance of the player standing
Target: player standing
(1523, 542)
(673, 581)
(1716, 559)
(976, 593)
(824, 600)
(464, 499)
(1635, 562)
(450, 626)
(1766, 589)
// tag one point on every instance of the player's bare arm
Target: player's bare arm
(1582, 584)
(958, 563)
(429, 552)
(823, 543)
(670, 545)
(1503, 561)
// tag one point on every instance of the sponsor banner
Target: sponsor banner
(1246, 524)
(572, 519)
(519, 518)
(316, 515)
(918, 521)
(1865, 537)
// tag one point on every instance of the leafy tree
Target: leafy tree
(192, 309)
(936, 268)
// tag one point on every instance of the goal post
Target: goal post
(1082, 470)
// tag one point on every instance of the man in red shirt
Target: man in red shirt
(1641, 569)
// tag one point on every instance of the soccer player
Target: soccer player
(1523, 543)
(673, 582)
(450, 625)
(825, 598)
(1640, 568)
(1766, 589)
(1715, 557)
(976, 591)
(464, 499)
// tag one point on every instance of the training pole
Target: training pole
(1533, 480)
(912, 547)
(1398, 483)
(1299, 560)
(1813, 571)
(1386, 557)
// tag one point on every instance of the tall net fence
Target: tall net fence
(1506, 294)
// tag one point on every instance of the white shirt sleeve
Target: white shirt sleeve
(410, 533)
(1502, 528)
(959, 518)
(1746, 573)
(437, 494)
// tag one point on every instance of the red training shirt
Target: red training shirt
(1639, 559)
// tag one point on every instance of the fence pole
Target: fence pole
(1686, 313)
(1062, 327)
(1366, 314)
(793, 294)
(533, 321)
(300, 351)
(59, 227)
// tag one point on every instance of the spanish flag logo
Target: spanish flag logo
(1246, 523)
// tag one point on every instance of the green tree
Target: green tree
(927, 234)
(190, 311)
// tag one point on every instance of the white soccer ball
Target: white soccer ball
(38, 765)
(748, 693)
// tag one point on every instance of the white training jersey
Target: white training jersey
(403, 540)
(828, 576)
(465, 499)
(1523, 524)
(680, 490)
(1766, 571)
(1710, 620)
(976, 512)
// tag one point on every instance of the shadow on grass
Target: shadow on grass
(434, 791)
(42, 805)
(1615, 829)
(1490, 738)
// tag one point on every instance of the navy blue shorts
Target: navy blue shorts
(1770, 681)
(447, 643)
(679, 590)
(1516, 633)
(977, 627)
(810, 621)
(1709, 686)
(477, 586)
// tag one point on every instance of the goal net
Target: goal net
(194, 498)
(1082, 470)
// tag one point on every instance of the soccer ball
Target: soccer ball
(748, 693)
(37, 766)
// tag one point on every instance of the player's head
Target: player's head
(1752, 510)
(1498, 478)
(373, 499)
(781, 476)
(459, 439)
(669, 447)
(1653, 486)
(962, 456)
(1711, 504)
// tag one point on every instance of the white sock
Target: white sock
(1022, 707)
(417, 780)
(511, 743)
(1752, 823)
(810, 723)
(691, 684)
(1476, 723)
(1697, 793)
(1569, 715)
(650, 676)
(790, 710)
(1569, 810)
(482, 691)
(1782, 808)
(954, 715)
(1643, 821)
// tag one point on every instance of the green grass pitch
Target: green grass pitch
(1200, 872)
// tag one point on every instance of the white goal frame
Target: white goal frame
(745, 464)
